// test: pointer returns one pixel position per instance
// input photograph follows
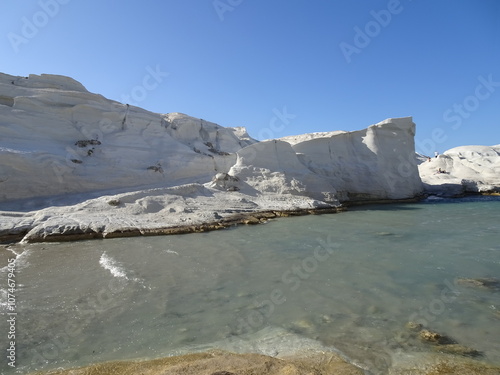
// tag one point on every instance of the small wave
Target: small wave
(117, 270)
(112, 266)
(21, 261)
(171, 252)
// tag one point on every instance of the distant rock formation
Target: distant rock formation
(462, 170)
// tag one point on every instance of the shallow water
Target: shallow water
(350, 281)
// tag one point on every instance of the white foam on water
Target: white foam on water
(112, 266)
(171, 252)
(21, 260)
(118, 270)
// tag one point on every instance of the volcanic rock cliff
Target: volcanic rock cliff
(61, 145)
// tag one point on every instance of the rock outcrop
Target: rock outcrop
(57, 138)
(62, 145)
(374, 163)
(273, 167)
(462, 170)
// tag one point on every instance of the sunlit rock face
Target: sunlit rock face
(374, 163)
(461, 170)
(74, 162)
(58, 138)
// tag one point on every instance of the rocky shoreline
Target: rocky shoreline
(243, 218)
(251, 218)
(78, 233)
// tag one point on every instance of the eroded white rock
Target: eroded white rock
(466, 169)
(57, 138)
(374, 163)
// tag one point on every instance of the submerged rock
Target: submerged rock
(458, 350)
(435, 338)
(413, 326)
(441, 343)
(223, 363)
(302, 326)
(442, 364)
(307, 363)
(486, 283)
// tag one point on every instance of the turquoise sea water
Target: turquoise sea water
(349, 281)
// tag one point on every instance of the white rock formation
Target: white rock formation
(71, 159)
(57, 138)
(466, 169)
(272, 167)
(374, 163)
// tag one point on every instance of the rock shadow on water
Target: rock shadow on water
(382, 206)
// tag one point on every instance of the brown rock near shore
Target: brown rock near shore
(452, 368)
(219, 363)
(315, 363)
(435, 338)
(485, 283)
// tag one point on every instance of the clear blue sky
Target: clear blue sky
(278, 67)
